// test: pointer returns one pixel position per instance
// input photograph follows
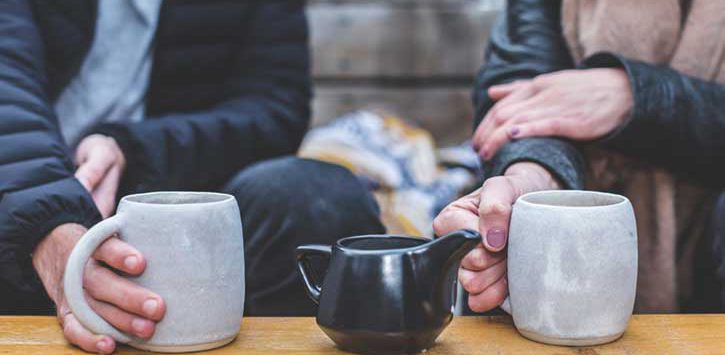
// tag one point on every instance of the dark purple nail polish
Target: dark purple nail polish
(514, 131)
(496, 238)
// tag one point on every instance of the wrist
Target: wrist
(120, 156)
(51, 255)
(538, 177)
(134, 171)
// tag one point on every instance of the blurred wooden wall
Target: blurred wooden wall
(413, 58)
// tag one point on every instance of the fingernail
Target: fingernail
(138, 325)
(514, 131)
(104, 345)
(149, 307)
(496, 238)
(484, 153)
(130, 262)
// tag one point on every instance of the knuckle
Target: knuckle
(492, 182)
(68, 331)
(132, 299)
(442, 223)
(468, 281)
(71, 333)
(93, 173)
(555, 126)
(554, 92)
(90, 276)
(93, 285)
(465, 282)
(476, 304)
(493, 113)
(499, 292)
(500, 119)
(495, 208)
(477, 259)
(110, 251)
(540, 80)
(479, 262)
(438, 225)
(577, 116)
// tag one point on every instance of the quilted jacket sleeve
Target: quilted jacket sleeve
(37, 189)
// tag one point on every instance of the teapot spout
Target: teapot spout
(451, 248)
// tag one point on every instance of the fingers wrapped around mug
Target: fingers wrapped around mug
(78, 335)
(104, 285)
(491, 297)
(121, 256)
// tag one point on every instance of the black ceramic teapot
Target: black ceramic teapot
(386, 293)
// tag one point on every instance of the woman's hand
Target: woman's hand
(488, 210)
(576, 104)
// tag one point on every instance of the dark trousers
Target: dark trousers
(718, 232)
(287, 202)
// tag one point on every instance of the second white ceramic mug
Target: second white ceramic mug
(572, 266)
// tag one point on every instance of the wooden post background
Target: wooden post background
(413, 58)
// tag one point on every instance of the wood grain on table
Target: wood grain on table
(647, 334)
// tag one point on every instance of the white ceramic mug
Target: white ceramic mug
(194, 251)
(572, 266)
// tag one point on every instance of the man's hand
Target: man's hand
(576, 104)
(100, 166)
(488, 210)
(125, 305)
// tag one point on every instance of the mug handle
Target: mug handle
(506, 305)
(303, 265)
(73, 278)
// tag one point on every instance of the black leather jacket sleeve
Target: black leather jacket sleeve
(525, 42)
(677, 122)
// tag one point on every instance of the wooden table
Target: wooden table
(647, 334)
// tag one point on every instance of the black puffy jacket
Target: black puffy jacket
(229, 86)
(677, 121)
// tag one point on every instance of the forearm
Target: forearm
(37, 189)
(561, 159)
(677, 121)
(200, 150)
(51, 253)
(538, 177)
(524, 43)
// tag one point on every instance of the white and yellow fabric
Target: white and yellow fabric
(411, 179)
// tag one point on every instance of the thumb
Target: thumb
(497, 198)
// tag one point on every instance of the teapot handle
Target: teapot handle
(303, 265)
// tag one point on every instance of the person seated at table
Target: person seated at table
(103, 98)
(630, 95)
